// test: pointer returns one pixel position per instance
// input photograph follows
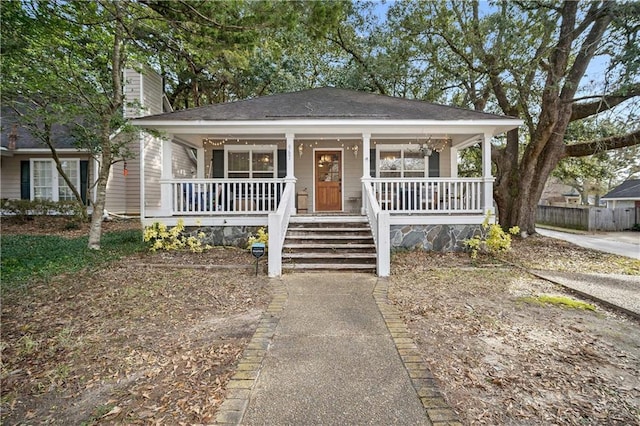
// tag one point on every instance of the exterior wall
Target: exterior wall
(143, 93)
(441, 238)
(182, 165)
(621, 203)
(10, 176)
(351, 173)
(152, 171)
(10, 171)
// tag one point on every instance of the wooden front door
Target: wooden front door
(328, 165)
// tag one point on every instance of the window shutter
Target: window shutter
(217, 163)
(84, 180)
(372, 162)
(434, 164)
(282, 163)
(25, 180)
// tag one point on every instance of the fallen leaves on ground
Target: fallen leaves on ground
(500, 360)
(129, 344)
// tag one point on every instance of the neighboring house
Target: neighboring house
(27, 167)
(28, 170)
(556, 193)
(392, 161)
(627, 194)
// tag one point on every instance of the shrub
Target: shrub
(24, 209)
(261, 237)
(492, 239)
(162, 238)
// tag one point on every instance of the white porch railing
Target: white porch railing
(278, 224)
(225, 196)
(380, 228)
(431, 195)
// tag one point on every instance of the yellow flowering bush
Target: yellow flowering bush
(492, 239)
(261, 237)
(161, 237)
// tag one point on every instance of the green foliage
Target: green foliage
(31, 258)
(23, 209)
(492, 239)
(160, 237)
(261, 237)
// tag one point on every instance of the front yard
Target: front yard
(153, 338)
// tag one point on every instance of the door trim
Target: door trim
(313, 165)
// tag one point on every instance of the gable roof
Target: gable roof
(325, 103)
(627, 190)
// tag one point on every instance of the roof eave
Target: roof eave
(492, 126)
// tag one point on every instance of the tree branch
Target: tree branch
(606, 144)
(604, 103)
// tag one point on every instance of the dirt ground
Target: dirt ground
(129, 343)
(502, 360)
(153, 339)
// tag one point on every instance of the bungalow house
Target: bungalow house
(28, 170)
(325, 169)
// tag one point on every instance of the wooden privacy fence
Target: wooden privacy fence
(588, 218)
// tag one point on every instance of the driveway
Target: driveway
(620, 243)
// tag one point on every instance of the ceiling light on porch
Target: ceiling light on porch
(437, 145)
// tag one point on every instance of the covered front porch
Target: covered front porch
(318, 152)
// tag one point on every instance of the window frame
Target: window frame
(402, 148)
(54, 177)
(252, 149)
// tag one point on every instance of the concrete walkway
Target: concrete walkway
(620, 243)
(332, 351)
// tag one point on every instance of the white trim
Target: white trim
(251, 149)
(328, 149)
(141, 138)
(377, 128)
(55, 176)
(431, 219)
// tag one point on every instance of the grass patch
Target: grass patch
(29, 258)
(566, 302)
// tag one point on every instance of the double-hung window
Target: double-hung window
(401, 161)
(48, 184)
(251, 162)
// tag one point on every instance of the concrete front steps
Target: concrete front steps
(329, 243)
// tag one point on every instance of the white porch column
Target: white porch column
(200, 165)
(487, 178)
(454, 162)
(366, 164)
(290, 156)
(166, 197)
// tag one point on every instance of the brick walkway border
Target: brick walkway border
(241, 383)
(438, 410)
(239, 387)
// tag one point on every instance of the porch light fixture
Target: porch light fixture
(355, 148)
(300, 149)
(437, 145)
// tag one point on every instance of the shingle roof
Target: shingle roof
(629, 189)
(24, 139)
(325, 103)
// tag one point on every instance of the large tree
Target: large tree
(524, 59)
